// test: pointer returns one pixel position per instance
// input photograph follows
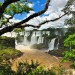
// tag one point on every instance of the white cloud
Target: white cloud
(7, 16)
(56, 5)
(14, 20)
(30, 5)
(54, 11)
(30, 13)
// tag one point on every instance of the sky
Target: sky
(37, 5)
(53, 12)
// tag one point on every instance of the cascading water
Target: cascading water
(33, 38)
(40, 39)
(25, 41)
(48, 33)
(57, 45)
(51, 44)
(30, 38)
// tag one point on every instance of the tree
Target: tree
(12, 7)
(70, 40)
(70, 6)
(70, 54)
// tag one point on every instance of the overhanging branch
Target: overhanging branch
(10, 28)
(35, 14)
(39, 25)
(5, 4)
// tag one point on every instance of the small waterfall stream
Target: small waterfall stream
(25, 42)
(57, 45)
(40, 40)
(51, 44)
(33, 38)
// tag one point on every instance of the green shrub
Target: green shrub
(9, 53)
(24, 69)
(5, 69)
(69, 56)
(6, 42)
(2, 47)
(32, 69)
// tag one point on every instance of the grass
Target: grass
(9, 53)
(5, 37)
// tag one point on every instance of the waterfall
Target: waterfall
(48, 33)
(33, 38)
(51, 44)
(57, 45)
(38, 33)
(40, 39)
(30, 38)
(25, 42)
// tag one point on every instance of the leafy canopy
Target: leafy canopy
(70, 6)
(14, 8)
(70, 39)
(17, 8)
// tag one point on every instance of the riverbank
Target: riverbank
(44, 59)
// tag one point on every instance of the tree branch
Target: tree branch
(10, 28)
(5, 4)
(21, 24)
(10, 18)
(39, 25)
(35, 14)
(7, 21)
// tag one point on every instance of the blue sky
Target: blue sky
(37, 6)
(1, 0)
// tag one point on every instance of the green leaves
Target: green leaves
(17, 30)
(68, 8)
(0, 4)
(70, 2)
(17, 8)
(69, 40)
(70, 21)
(69, 56)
